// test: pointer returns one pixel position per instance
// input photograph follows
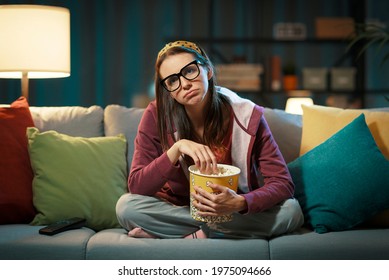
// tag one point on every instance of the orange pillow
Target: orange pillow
(321, 122)
(15, 169)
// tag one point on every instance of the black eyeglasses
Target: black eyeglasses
(190, 72)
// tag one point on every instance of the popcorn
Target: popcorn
(222, 171)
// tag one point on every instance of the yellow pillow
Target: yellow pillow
(321, 122)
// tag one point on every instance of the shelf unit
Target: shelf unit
(265, 93)
(356, 10)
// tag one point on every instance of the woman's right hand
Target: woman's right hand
(202, 155)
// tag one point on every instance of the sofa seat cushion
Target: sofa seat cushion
(23, 242)
(361, 244)
(115, 244)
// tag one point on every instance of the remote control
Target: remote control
(63, 225)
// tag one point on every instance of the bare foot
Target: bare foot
(139, 233)
(196, 235)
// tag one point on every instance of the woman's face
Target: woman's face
(189, 92)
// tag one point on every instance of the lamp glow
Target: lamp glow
(34, 43)
(293, 104)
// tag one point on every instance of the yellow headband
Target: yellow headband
(185, 44)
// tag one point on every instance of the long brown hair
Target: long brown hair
(172, 115)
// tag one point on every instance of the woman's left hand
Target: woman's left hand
(222, 201)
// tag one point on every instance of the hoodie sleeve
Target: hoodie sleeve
(271, 170)
(151, 168)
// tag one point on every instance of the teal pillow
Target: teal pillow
(343, 181)
(77, 177)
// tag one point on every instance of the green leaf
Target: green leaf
(369, 34)
(386, 57)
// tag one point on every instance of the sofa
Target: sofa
(365, 238)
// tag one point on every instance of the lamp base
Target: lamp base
(25, 85)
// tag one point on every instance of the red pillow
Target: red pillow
(15, 169)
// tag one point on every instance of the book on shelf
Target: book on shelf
(240, 85)
(273, 73)
(239, 76)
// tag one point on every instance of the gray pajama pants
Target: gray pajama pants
(165, 220)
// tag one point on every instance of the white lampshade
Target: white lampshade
(34, 41)
(293, 104)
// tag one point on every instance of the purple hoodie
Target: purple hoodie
(264, 181)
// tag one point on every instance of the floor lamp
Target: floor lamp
(34, 43)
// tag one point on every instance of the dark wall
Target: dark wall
(114, 43)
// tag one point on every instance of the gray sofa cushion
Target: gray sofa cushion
(362, 244)
(120, 119)
(115, 244)
(72, 120)
(286, 129)
(24, 242)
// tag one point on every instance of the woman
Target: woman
(192, 121)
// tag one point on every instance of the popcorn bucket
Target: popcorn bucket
(228, 176)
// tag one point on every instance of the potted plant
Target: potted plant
(368, 34)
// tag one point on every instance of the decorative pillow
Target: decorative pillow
(122, 120)
(321, 122)
(72, 120)
(15, 168)
(342, 182)
(77, 177)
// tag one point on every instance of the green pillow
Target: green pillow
(343, 181)
(77, 177)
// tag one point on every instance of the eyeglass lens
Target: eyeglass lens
(189, 72)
